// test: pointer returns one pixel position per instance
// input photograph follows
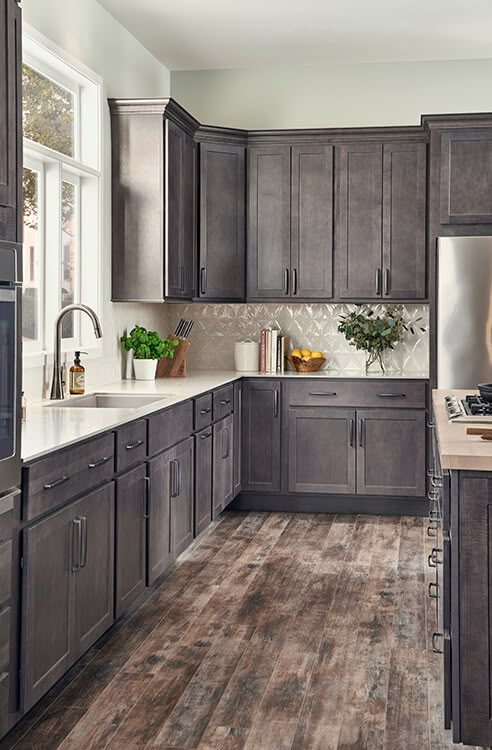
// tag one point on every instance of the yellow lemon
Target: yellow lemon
(306, 353)
(306, 359)
(296, 353)
(317, 355)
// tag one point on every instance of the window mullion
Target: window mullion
(53, 220)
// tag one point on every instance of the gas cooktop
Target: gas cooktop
(472, 408)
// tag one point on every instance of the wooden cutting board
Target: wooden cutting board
(484, 432)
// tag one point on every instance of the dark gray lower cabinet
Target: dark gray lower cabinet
(238, 397)
(67, 589)
(131, 537)
(182, 488)
(391, 452)
(261, 436)
(321, 450)
(223, 464)
(203, 479)
(159, 530)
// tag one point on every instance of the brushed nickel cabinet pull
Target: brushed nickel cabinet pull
(203, 280)
(324, 393)
(275, 403)
(147, 498)
(386, 281)
(378, 282)
(136, 444)
(361, 433)
(351, 432)
(56, 483)
(77, 544)
(286, 280)
(392, 395)
(205, 411)
(83, 531)
(204, 437)
(100, 462)
(294, 281)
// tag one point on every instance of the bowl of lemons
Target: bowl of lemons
(304, 360)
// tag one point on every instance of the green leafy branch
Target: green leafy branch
(148, 344)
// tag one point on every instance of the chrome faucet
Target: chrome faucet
(57, 383)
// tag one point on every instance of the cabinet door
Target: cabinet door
(474, 573)
(131, 530)
(391, 452)
(321, 450)
(238, 397)
(50, 553)
(94, 583)
(359, 220)
(182, 488)
(222, 221)
(312, 222)
(180, 212)
(261, 436)
(404, 204)
(223, 464)
(203, 479)
(10, 121)
(158, 524)
(269, 222)
(466, 176)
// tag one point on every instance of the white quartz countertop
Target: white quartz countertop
(49, 427)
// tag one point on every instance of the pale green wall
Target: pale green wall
(334, 95)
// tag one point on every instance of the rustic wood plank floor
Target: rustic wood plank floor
(274, 632)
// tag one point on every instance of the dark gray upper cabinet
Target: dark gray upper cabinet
(67, 589)
(181, 496)
(322, 450)
(153, 201)
(10, 121)
(359, 220)
(312, 222)
(269, 222)
(380, 220)
(131, 532)
(391, 455)
(223, 464)
(222, 242)
(404, 226)
(290, 219)
(466, 176)
(261, 449)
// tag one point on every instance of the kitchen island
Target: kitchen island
(461, 498)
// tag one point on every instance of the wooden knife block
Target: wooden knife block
(175, 367)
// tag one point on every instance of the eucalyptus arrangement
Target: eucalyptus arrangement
(147, 347)
(375, 334)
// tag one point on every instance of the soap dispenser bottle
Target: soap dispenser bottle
(77, 376)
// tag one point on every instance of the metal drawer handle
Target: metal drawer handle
(205, 411)
(77, 544)
(225, 401)
(286, 280)
(204, 437)
(324, 393)
(351, 432)
(203, 280)
(147, 498)
(136, 444)
(226, 451)
(275, 403)
(100, 462)
(435, 647)
(386, 281)
(378, 282)
(392, 395)
(56, 483)
(431, 425)
(361, 433)
(294, 281)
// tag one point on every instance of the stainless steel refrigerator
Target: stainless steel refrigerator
(464, 312)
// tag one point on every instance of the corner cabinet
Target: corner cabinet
(154, 201)
(466, 176)
(290, 250)
(10, 121)
(381, 220)
(222, 244)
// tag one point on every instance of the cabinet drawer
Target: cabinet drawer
(65, 474)
(4, 639)
(170, 427)
(354, 393)
(131, 445)
(203, 411)
(5, 572)
(223, 402)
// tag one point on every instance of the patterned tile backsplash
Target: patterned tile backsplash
(217, 327)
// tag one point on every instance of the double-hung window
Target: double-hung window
(61, 189)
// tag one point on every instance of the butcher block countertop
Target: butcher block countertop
(457, 449)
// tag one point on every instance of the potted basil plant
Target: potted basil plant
(148, 348)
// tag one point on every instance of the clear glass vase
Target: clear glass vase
(374, 363)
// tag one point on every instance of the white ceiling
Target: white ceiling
(201, 34)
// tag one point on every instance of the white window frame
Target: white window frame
(84, 169)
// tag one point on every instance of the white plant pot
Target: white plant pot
(145, 368)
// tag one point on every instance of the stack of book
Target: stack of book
(273, 348)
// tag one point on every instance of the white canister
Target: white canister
(247, 356)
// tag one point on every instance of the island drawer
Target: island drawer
(63, 475)
(131, 445)
(203, 411)
(169, 427)
(409, 394)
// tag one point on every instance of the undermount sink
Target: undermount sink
(110, 401)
